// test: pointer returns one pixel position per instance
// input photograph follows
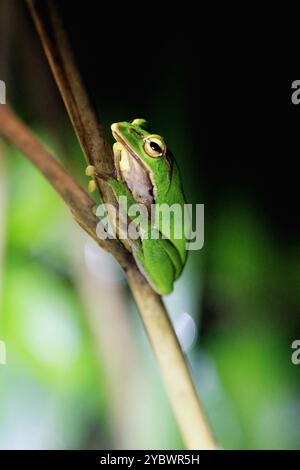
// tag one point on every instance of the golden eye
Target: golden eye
(154, 146)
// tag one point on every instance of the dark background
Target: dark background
(237, 107)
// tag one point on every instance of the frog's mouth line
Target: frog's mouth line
(123, 142)
(132, 153)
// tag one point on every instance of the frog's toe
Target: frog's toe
(90, 170)
(92, 186)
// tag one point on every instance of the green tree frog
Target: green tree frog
(146, 173)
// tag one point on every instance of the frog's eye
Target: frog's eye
(154, 146)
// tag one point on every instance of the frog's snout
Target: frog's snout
(115, 128)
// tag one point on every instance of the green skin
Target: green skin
(149, 179)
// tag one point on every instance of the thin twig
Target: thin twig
(187, 407)
(83, 116)
(78, 201)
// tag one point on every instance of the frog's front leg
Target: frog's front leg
(117, 150)
(121, 164)
(92, 172)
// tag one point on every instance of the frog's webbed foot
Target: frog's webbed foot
(93, 173)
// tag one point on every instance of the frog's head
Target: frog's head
(134, 136)
(149, 150)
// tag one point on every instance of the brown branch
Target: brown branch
(78, 201)
(187, 407)
(86, 123)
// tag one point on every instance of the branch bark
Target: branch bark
(82, 114)
(181, 390)
(78, 201)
